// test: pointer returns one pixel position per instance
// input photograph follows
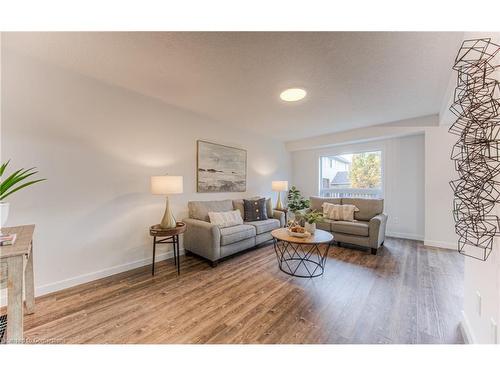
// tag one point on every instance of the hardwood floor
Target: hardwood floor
(406, 294)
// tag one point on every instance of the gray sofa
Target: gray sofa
(368, 229)
(213, 243)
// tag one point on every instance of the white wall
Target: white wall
(403, 169)
(98, 145)
(439, 171)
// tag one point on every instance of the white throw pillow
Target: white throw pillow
(226, 219)
(343, 212)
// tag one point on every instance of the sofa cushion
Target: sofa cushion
(326, 224)
(255, 209)
(199, 209)
(226, 218)
(237, 233)
(238, 205)
(356, 228)
(368, 208)
(317, 202)
(263, 226)
(344, 212)
(269, 206)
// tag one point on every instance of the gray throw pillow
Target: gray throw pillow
(255, 209)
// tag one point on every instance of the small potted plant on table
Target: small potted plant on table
(311, 218)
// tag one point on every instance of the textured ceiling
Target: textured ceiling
(353, 79)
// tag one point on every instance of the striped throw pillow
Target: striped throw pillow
(226, 219)
(343, 212)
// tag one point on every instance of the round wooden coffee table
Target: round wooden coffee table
(302, 257)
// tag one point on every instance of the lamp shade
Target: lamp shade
(280, 185)
(165, 185)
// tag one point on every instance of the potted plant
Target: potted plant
(296, 201)
(9, 185)
(311, 218)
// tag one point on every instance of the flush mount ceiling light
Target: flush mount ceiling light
(293, 95)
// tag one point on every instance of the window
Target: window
(357, 175)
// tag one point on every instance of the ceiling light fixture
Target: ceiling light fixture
(293, 95)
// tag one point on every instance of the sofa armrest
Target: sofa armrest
(280, 215)
(202, 238)
(376, 230)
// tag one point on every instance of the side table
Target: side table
(167, 236)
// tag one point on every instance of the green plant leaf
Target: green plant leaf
(16, 174)
(8, 181)
(14, 180)
(2, 168)
(2, 197)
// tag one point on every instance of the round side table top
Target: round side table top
(319, 236)
(157, 231)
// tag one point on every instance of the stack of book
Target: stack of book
(7, 239)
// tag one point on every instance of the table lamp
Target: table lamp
(166, 185)
(279, 186)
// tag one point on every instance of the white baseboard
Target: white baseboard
(87, 277)
(407, 236)
(441, 244)
(466, 330)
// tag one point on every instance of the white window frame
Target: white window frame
(356, 193)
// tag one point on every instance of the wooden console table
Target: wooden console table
(17, 262)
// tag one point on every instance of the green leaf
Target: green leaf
(11, 177)
(2, 197)
(2, 168)
(14, 180)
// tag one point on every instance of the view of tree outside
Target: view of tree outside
(341, 173)
(365, 170)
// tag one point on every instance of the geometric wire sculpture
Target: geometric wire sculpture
(476, 154)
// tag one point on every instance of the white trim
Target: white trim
(87, 277)
(441, 244)
(372, 133)
(407, 236)
(466, 330)
(355, 149)
(92, 276)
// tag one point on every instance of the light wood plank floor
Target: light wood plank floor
(408, 293)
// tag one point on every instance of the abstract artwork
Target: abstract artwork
(477, 152)
(221, 168)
